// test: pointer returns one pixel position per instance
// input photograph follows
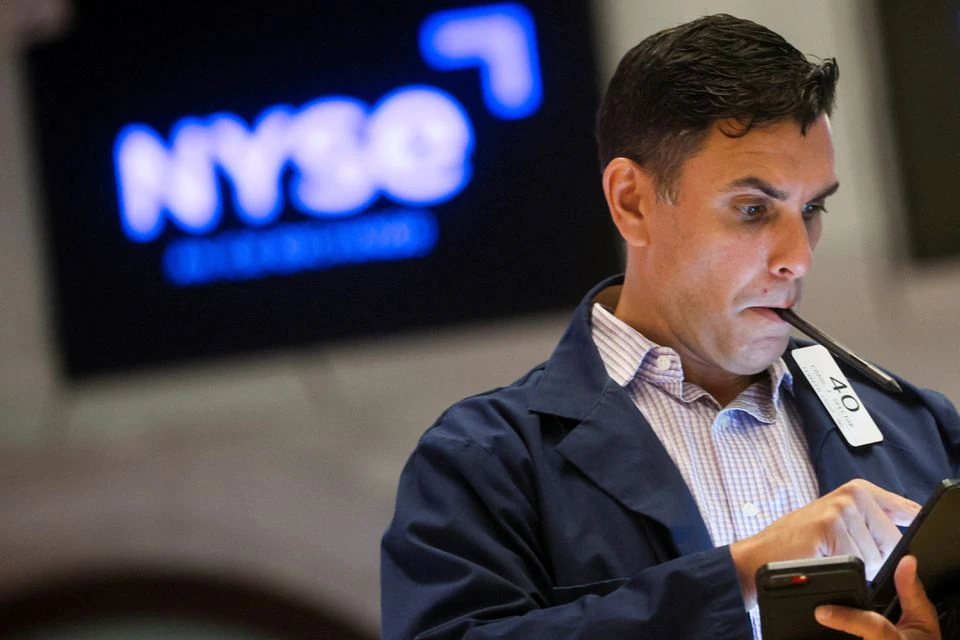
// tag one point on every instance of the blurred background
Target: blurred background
(250, 251)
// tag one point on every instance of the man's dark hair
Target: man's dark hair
(669, 90)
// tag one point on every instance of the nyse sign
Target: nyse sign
(413, 147)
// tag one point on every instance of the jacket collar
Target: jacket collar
(574, 378)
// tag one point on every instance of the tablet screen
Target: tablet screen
(933, 538)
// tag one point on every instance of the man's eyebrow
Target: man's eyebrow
(826, 193)
(753, 182)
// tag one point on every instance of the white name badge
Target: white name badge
(836, 394)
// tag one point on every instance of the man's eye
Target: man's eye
(812, 210)
(751, 211)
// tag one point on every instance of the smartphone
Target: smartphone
(932, 538)
(788, 592)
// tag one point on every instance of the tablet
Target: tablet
(934, 538)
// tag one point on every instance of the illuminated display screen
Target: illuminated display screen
(221, 176)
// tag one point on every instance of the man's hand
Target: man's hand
(917, 622)
(858, 518)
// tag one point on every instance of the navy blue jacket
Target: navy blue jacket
(549, 508)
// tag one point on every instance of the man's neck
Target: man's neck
(722, 385)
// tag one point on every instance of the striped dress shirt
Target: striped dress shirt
(746, 464)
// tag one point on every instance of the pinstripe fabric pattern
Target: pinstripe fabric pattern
(746, 464)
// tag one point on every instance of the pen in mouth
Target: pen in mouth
(840, 351)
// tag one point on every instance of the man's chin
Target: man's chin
(761, 354)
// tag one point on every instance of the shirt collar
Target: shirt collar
(622, 348)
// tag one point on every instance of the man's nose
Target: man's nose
(791, 253)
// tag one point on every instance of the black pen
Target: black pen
(840, 351)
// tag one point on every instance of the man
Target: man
(632, 485)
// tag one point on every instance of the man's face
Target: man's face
(738, 241)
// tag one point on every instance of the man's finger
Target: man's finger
(863, 624)
(913, 598)
(843, 543)
(883, 531)
(869, 548)
(905, 578)
(899, 509)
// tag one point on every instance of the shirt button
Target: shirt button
(750, 509)
(663, 363)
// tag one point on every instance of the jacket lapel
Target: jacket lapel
(613, 444)
(617, 449)
(834, 461)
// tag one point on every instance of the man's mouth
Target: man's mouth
(769, 313)
(773, 313)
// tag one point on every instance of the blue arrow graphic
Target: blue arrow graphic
(498, 39)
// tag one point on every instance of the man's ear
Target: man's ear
(631, 194)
